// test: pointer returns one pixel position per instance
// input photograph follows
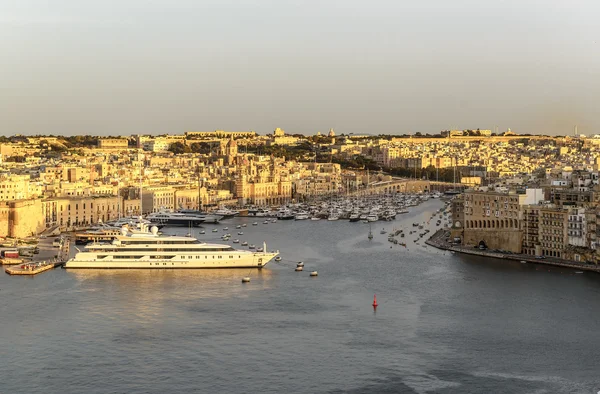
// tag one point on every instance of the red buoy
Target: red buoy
(375, 301)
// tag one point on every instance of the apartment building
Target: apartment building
(113, 143)
(77, 211)
(18, 187)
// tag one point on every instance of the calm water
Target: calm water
(446, 323)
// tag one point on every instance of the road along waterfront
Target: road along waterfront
(441, 241)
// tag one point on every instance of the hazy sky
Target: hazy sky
(393, 66)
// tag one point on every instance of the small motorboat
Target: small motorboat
(244, 224)
(202, 232)
(278, 258)
(240, 233)
(238, 226)
(245, 243)
(255, 224)
(251, 246)
(225, 228)
(260, 250)
(236, 241)
(266, 222)
(215, 230)
(274, 221)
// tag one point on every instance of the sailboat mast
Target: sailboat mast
(199, 189)
(141, 185)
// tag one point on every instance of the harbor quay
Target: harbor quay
(441, 239)
(48, 258)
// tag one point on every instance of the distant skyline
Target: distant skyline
(392, 67)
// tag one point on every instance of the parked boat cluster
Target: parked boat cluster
(368, 208)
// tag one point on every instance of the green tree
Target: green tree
(179, 148)
(204, 148)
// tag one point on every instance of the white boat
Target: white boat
(333, 217)
(245, 243)
(225, 213)
(150, 250)
(175, 219)
(372, 217)
(255, 224)
(244, 225)
(205, 216)
(236, 241)
(262, 212)
(131, 221)
(285, 214)
(302, 216)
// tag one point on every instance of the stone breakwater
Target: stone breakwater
(440, 241)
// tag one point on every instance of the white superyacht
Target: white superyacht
(151, 250)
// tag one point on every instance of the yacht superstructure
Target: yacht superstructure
(151, 250)
(175, 219)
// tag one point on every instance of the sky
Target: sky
(120, 67)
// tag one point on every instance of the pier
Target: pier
(30, 268)
(440, 241)
(48, 256)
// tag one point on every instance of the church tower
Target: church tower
(231, 151)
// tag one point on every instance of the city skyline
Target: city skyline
(117, 68)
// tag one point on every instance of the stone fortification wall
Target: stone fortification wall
(504, 239)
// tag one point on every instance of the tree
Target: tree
(58, 148)
(179, 148)
(204, 148)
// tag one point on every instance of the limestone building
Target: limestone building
(493, 219)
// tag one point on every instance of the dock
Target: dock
(46, 251)
(30, 268)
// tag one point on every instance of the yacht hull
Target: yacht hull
(255, 260)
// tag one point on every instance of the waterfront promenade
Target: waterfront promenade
(441, 241)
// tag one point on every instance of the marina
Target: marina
(428, 301)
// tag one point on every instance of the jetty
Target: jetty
(31, 268)
(54, 259)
